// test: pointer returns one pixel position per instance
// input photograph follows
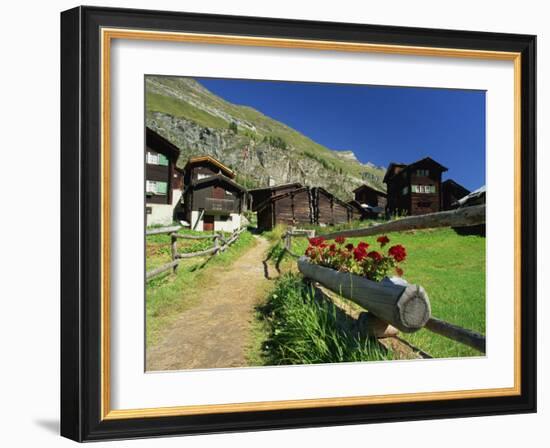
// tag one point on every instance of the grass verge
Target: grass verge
(303, 330)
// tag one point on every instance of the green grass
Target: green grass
(158, 250)
(451, 268)
(181, 109)
(303, 330)
(168, 295)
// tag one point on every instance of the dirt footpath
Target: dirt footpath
(216, 332)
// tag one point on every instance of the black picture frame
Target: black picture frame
(81, 210)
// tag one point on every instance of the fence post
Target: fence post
(217, 244)
(288, 241)
(174, 249)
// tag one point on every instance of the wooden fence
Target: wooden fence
(220, 244)
(394, 301)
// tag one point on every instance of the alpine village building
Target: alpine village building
(212, 199)
(292, 204)
(368, 202)
(452, 192)
(163, 180)
(414, 189)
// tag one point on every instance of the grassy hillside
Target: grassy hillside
(185, 98)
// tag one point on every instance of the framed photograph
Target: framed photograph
(277, 224)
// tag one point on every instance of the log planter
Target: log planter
(403, 305)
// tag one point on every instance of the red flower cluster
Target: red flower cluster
(398, 253)
(374, 265)
(317, 242)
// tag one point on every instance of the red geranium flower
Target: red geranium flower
(375, 255)
(363, 245)
(332, 247)
(340, 239)
(310, 250)
(349, 247)
(383, 240)
(317, 241)
(359, 253)
(398, 252)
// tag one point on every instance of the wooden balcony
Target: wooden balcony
(220, 205)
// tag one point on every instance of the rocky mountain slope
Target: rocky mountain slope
(260, 149)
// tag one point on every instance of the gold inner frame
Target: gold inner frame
(107, 35)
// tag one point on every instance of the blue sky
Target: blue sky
(379, 124)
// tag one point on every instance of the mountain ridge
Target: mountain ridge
(259, 148)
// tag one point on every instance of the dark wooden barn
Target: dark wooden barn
(301, 205)
(292, 206)
(414, 189)
(329, 210)
(451, 192)
(258, 196)
(368, 202)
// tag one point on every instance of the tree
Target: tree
(233, 127)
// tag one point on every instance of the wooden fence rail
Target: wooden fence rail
(161, 230)
(400, 304)
(456, 333)
(405, 306)
(461, 217)
(220, 245)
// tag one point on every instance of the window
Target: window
(156, 187)
(425, 173)
(163, 160)
(154, 158)
(423, 188)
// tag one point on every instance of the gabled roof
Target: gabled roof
(218, 178)
(429, 161)
(158, 143)
(264, 204)
(277, 187)
(208, 159)
(368, 187)
(390, 169)
(474, 198)
(456, 185)
(328, 193)
(425, 160)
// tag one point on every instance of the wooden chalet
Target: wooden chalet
(328, 209)
(293, 204)
(163, 180)
(288, 205)
(259, 195)
(451, 192)
(368, 202)
(414, 189)
(212, 199)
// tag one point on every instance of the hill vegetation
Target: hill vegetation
(258, 147)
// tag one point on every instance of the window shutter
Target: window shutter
(163, 160)
(162, 187)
